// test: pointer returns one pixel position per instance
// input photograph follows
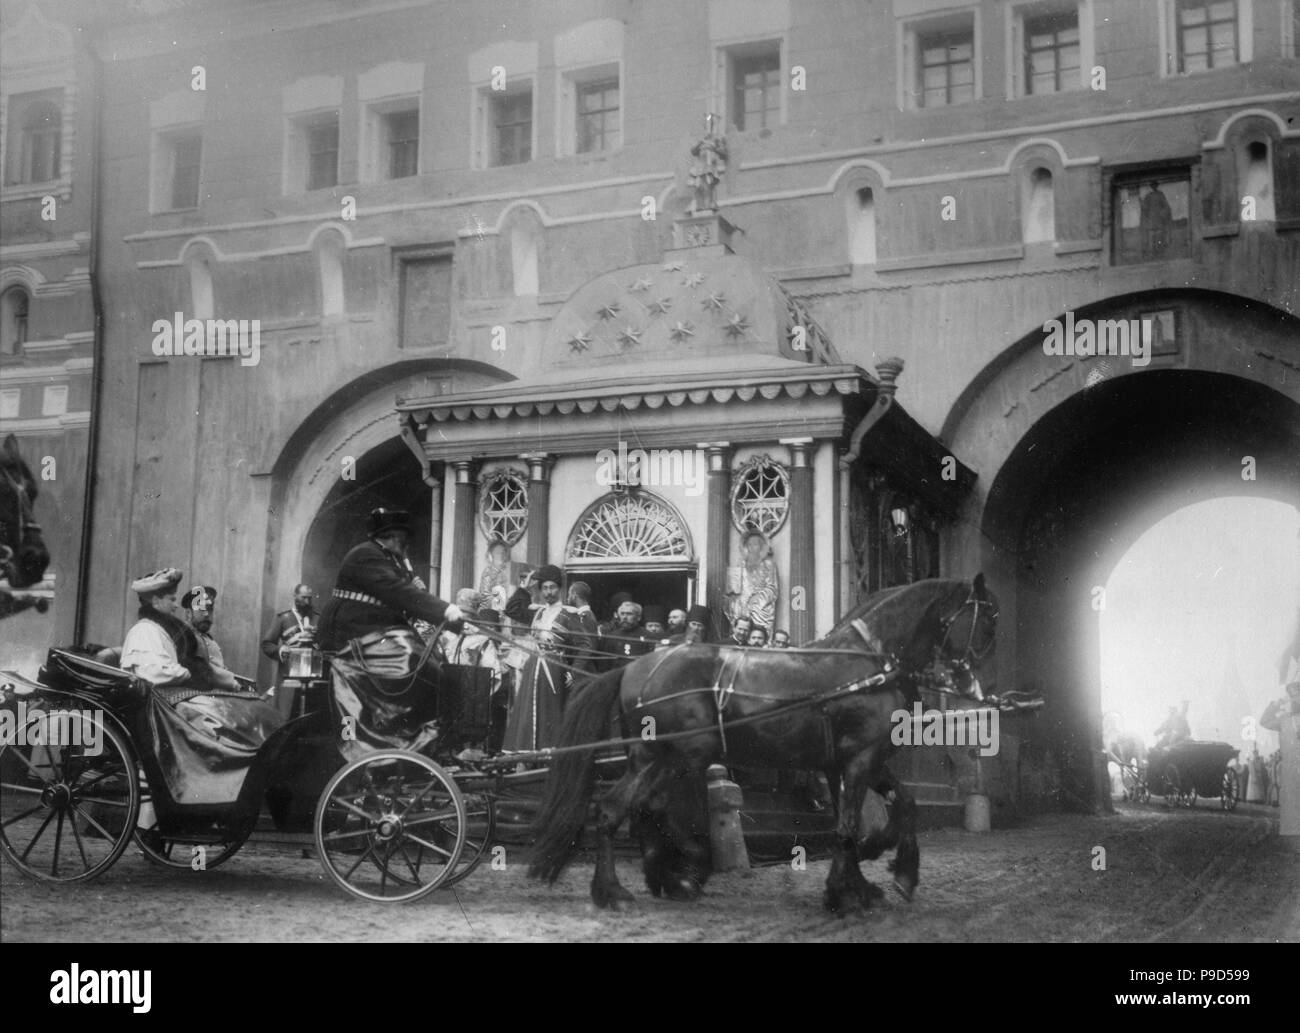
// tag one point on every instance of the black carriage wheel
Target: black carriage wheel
(390, 827)
(67, 815)
(179, 853)
(1230, 791)
(1174, 795)
(480, 830)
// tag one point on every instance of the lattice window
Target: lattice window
(760, 496)
(629, 527)
(503, 505)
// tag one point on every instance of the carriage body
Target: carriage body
(1194, 768)
(390, 825)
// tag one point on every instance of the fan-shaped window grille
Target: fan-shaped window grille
(629, 527)
(503, 505)
(760, 496)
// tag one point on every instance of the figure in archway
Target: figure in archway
(1157, 222)
(753, 586)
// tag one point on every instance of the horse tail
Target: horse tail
(572, 780)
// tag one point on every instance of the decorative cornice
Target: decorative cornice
(564, 400)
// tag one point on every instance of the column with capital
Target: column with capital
(803, 543)
(463, 501)
(719, 530)
(539, 506)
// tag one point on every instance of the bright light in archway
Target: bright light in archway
(1200, 609)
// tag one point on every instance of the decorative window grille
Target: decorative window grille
(760, 496)
(503, 505)
(629, 527)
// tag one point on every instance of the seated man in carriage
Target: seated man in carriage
(386, 685)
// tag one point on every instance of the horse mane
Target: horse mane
(904, 620)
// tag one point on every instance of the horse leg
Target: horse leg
(906, 864)
(606, 890)
(846, 887)
(685, 819)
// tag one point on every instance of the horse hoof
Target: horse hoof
(905, 890)
(682, 888)
(622, 901)
(871, 893)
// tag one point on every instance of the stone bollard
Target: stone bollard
(726, 839)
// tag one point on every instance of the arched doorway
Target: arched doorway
(1078, 458)
(634, 542)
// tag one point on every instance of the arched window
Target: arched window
(329, 257)
(1257, 183)
(862, 227)
(503, 505)
(1037, 206)
(523, 256)
(202, 299)
(14, 305)
(760, 496)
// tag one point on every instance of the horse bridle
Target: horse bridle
(970, 654)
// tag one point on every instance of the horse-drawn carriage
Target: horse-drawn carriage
(1190, 769)
(395, 824)
(98, 744)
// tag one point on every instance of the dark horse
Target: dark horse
(852, 682)
(23, 556)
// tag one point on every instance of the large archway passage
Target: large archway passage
(1079, 488)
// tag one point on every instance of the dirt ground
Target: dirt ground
(1168, 876)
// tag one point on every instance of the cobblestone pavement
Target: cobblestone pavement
(1172, 876)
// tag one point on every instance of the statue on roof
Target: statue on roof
(710, 154)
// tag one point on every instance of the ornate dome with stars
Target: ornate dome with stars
(694, 308)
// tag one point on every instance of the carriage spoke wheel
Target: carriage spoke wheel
(66, 815)
(1231, 790)
(391, 827)
(1174, 795)
(480, 829)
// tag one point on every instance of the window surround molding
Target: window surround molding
(740, 26)
(37, 55)
(914, 15)
(586, 53)
(384, 90)
(519, 59)
(303, 101)
(1014, 37)
(1168, 25)
(177, 112)
(845, 192)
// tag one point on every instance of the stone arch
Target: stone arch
(1036, 168)
(358, 421)
(1077, 459)
(630, 528)
(199, 257)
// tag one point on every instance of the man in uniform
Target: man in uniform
(544, 681)
(628, 638)
(294, 628)
(381, 681)
(200, 604)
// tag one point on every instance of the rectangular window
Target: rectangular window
(425, 302)
(1051, 53)
(946, 69)
(1151, 216)
(322, 139)
(511, 129)
(597, 116)
(10, 402)
(401, 133)
(35, 137)
(756, 89)
(54, 401)
(186, 158)
(1207, 34)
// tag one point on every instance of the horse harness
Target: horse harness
(969, 653)
(724, 689)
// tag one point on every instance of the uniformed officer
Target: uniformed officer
(376, 588)
(290, 629)
(200, 603)
(381, 683)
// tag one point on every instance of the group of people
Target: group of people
(527, 648)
